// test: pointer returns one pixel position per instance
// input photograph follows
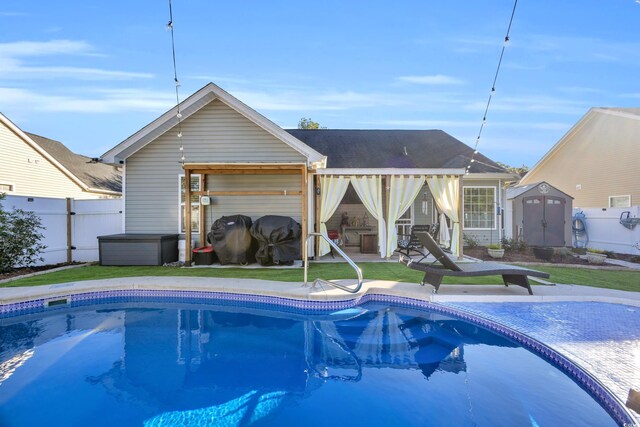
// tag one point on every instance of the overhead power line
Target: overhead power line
(493, 88)
(176, 81)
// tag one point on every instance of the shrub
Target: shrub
(469, 241)
(494, 246)
(19, 238)
(514, 244)
(596, 251)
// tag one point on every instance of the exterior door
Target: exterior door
(554, 221)
(543, 220)
(532, 219)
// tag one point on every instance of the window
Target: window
(195, 205)
(6, 188)
(619, 201)
(479, 208)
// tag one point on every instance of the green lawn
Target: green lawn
(613, 279)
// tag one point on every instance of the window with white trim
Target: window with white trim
(620, 201)
(6, 188)
(195, 204)
(479, 208)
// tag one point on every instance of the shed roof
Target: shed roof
(94, 175)
(410, 149)
(516, 191)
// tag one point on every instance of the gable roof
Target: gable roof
(193, 104)
(406, 149)
(513, 192)
(96, 176)
(629, 113)
(62, 158)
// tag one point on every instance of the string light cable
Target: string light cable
(176, 81)
(493, 89)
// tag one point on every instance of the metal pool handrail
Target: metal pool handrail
(342, 254)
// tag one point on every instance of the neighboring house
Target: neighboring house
(31, 165)
(249, 165)
(597, 161)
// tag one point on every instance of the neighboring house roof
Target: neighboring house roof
(406, 149)
(514, 192)
(630, 113)
(96, 176)
(193, 104)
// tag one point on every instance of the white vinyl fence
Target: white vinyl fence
(71, 226)
(606, 233)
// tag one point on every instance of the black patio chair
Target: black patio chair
(409, 244)
(434, 273)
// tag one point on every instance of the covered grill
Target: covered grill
(278, 239)
(231, 239)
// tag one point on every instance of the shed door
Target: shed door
(543, 221)
(532, 219)
(554, 221)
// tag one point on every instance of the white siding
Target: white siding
(217, 134)
(595, 161)
(31, 173)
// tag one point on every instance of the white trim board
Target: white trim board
(389, 171)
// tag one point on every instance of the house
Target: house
(248, 165)
(596, 162)
(31, 165)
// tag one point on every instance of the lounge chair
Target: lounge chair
(434, 273)
(408, 245)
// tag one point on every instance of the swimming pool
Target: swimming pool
(181, 360)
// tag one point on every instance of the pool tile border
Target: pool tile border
(612, 405)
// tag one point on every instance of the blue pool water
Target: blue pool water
(177, 364)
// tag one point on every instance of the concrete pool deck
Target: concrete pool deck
(296, 290)
(614, 362)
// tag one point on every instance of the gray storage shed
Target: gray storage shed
(541, 214)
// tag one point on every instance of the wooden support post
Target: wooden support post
(69, 235)
(203, 230)
(305, 220)
(187, 217)
(460, 231)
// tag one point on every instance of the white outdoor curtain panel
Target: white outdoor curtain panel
(402, 192)
(446, 191)
(369, 189)
(333, 189)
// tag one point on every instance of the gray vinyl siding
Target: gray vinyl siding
(428, 217)
(253, 206)
(217, 134)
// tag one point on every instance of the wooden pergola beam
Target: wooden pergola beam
(248, 193)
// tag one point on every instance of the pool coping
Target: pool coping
(37, 299)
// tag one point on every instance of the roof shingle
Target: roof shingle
(414, 149)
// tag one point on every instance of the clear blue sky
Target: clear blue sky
(91, 73)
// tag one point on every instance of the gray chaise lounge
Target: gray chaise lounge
(434, 273)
